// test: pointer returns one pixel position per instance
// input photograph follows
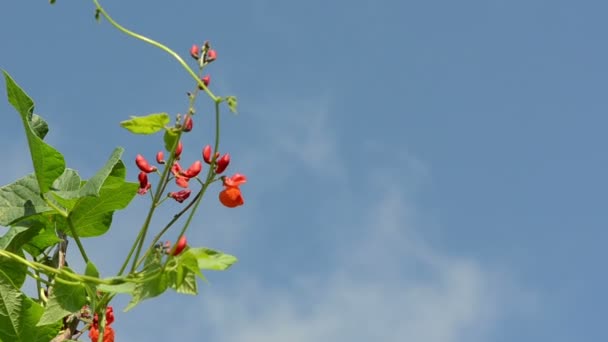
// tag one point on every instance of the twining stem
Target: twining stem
(160, 46)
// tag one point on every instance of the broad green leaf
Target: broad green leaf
(21, 199)
(19, 235)
(148, 124)
(156, 283)
(92, 216)
(45, 238)
(64, 300)
(48, 162)
(12, 241)
(182, 272)
(14, 269)
(232, 103)
(187, 283)
(209, 259)
(114, 166)
(19, 315)
(170, 139)
(66, 190)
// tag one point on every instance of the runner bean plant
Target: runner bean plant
(52, 206)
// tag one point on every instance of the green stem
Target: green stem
(77, 239)
(158, 45)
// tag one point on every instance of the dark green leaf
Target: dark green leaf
(92, 216)
(148, 124)
(19, 315)
(64, 300)
(156, 283)
(48, 162)
(113, 166)
(21, 199)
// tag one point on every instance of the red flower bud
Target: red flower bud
(187, 125)
(217, 155)
(194, 169)
(211, 55)
(178, 149)
(160, 157)
(143, 164)
(206, 80)
(180, 245)
(144, 185)
(207, 154)
(194, 51)
(222, 163)
(180, 196)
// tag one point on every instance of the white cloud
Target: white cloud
(384, 285)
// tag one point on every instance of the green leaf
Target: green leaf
(19, 235)
(187, 283)
(66, 190)
(91, 270)
(46, 238)
(13, 269)
(148, 124)
(19, 315)
(114, 166)
(39, 126)
(232, 103)
(48, 162)
(64, 300)
(13, 241)
(209, 259)
(170, 138)
(156, 283)
(21, 199)
(92, 216)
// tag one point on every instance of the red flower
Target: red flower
(222, 163)
(231, 196)
(108, 334)
(109, 315)
(194, 169)
(143, 164)
(194, 51)
(206, 80)
(178, 149)
(144, 185)
(160, 157)
(187, 125)
(180, 245)
(211, 55)
(207, 154)
(180, 196)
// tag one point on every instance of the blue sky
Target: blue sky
(418, 170)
